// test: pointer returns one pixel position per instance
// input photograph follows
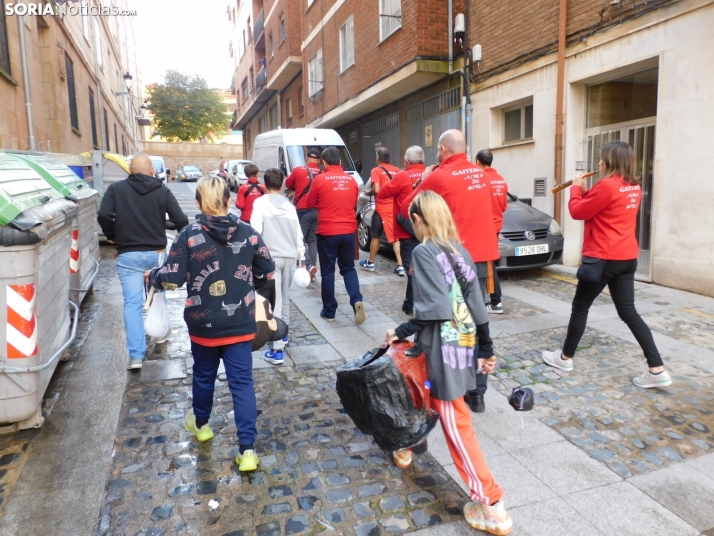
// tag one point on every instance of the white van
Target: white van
(285, 149)
(160, 168)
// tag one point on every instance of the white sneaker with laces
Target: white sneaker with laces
(647, 380)
(555, 359)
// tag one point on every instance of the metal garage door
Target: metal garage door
(381, 133)
(429, 119)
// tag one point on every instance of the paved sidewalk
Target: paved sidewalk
(595, 456)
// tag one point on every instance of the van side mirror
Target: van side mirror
(358, 166)
(283, 168)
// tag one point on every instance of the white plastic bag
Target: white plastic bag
(157, 324)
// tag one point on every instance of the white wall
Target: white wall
(681, 40)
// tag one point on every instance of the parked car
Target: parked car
(188, 174)
(529, 238)
(162, 172)
(236, 176)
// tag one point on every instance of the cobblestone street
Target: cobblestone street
(594, 443)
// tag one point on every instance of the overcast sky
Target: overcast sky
(184, 35)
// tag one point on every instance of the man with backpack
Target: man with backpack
(300, 181)
(249, 192)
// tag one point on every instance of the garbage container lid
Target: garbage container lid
(21, 188)
(60, 176)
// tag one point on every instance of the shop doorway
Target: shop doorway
(626, 109)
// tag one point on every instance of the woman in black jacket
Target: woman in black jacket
(217, 257)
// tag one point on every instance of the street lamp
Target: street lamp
(127, 81)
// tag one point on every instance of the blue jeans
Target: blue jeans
(130, 268)
(340, 249)
(238, 361)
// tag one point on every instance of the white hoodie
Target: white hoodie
(275, 218)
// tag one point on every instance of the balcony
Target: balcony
(258, 27)
(261, 80)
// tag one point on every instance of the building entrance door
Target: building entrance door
(641, 137)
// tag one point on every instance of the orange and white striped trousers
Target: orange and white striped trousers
(455, 417)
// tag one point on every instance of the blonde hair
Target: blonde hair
(212, 194)
(438, 221)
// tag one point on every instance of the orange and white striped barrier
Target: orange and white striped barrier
(21, 322)
(74, 253)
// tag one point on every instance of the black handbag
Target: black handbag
(590, 270)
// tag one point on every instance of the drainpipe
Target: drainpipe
(31, 141)
(451, 35)
(558, 171)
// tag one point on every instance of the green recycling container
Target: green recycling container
(84, 253)
(35, 236)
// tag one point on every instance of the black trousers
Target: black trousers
(619, 277)
(407, 246)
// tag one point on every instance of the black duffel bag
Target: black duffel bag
(377, 397)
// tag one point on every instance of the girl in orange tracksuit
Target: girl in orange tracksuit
(451, 327)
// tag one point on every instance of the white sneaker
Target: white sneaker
(647, 380)
(555, 359)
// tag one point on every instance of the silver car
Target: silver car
(236, 176)
(188, 174)
(529, 238)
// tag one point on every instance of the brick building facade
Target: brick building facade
(76, 67)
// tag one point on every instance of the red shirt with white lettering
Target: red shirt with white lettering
(334, 193)
(245, 200)
(467, 191)
(298, 181)
(610, 213)
(399, 189)
(499, 199)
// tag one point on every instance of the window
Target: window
(85, 19)
(123, 145)
(301, 101)
(347, 44)
(116, 139)
(270, 44)
(283, 35)
(246, 137)
(98, 43)
(390, 17)
(93, 116)
(106, 131)
(4, 48)
(244, 88)
(314, 74)
(263, 124)
(73, 117)
(273, 117)
(250, 33)
(289, 111)
(518, 123)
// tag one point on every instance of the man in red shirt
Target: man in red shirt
(467, 192)
(383, 215)
(249, 192)
(499, 199)
(334, 193)
(300, 180)
(398, 190)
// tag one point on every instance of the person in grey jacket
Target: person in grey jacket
(276, 219)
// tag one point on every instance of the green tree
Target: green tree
(185, 109)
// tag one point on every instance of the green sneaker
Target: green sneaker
(202, 434)
(248, 461)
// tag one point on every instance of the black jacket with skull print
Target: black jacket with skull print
(217, 257)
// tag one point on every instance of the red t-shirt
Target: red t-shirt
(610, 214)
(298, 181)
(378, 176)
(245, 200)
(466, 190)
(499, 199)
(399, 189)
(334, 193)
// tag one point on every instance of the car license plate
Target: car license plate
(531, 250)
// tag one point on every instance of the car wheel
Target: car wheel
(364, 236)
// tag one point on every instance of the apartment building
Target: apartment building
(642, 72)
(78, 61)
(266, 46)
